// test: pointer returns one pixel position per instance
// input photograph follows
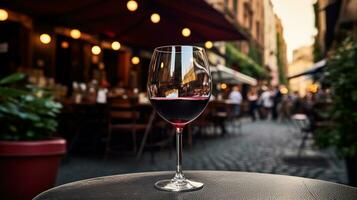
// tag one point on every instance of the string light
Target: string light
(135, 60)
(45, 38)
(96, 50)
(155, 18)
(3, 15)
(186, 32)
(223, 86)
(75, 33)
(116, 45)
(64, 44)
(132, 5)
(208, 44)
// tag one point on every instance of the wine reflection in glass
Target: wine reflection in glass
(179, 87)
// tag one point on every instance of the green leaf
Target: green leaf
(11, 92)
(12, 78)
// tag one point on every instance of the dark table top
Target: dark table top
(219, 185)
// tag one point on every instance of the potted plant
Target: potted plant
(29, 155)
(341, 75)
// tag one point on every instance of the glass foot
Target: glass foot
(178, 186)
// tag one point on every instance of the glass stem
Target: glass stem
(179, 177)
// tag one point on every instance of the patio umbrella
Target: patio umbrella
(224, 74)
(111, 18)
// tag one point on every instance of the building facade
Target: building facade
(282, 60)
(270, 42)
(302, 61)
(249, 16)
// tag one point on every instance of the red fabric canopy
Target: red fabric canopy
(110, 18)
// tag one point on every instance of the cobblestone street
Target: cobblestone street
(262, 146)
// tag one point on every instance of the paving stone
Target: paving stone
(260, 147)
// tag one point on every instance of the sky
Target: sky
(298, 21)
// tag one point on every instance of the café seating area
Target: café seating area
(127, 124)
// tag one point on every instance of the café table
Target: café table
(218, 185)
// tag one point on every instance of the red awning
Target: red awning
(112, 19)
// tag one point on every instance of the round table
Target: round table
(218, 185)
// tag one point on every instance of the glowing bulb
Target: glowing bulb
(116, 45)
(135, 60)
(208, 44)
(284, 90)
(3, 15)
(96, 50)
(75, 33)
(162, 65)
(223, 86)
(45, 38)
(132, 5)
(64, 44)
(186, 32)
(155, 18)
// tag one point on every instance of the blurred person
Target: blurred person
(284, 108)
(266, 102)
(276, 101)
(253, 105)
(296, 102)
(235, 97)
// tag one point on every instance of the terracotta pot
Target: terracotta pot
(29, 167)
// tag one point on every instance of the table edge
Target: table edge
(194, 171)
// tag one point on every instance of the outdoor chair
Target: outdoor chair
(124, 118)
(158, 135)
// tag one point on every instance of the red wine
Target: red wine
(179, 111)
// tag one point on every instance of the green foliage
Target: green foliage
(318, 54)
(247, 65)
(341, 74)
(26, 111)
(255, 54)
(280, 62)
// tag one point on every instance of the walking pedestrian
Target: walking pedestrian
(266, 101)
(235, 97)
(252, 98)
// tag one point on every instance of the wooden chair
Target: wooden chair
(124, 117)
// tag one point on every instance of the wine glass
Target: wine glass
(179, 87)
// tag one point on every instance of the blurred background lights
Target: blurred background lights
(223, 86)
(96, 50)
(75, 33)
(186, 32)
(132, 5)
(45, 38)
(135, 60)
(155, 18)
(64, 44)
(284, 90)
(208, 44)
(3, 15)
(116, 45)
(313, 88)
